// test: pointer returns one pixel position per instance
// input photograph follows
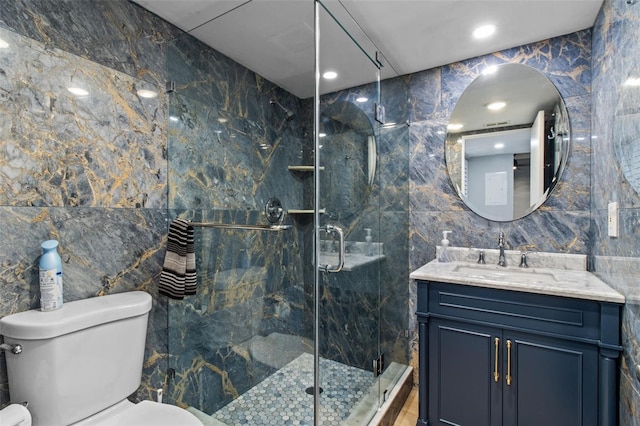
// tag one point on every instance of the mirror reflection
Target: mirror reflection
(507, 142)
(349, 155)
(627, 129)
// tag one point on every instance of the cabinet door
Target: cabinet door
(553, 382)
(462, 389)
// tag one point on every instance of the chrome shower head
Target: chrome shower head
(288, 113)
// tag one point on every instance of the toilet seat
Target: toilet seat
(146, 413)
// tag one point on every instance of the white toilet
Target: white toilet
(77, 365)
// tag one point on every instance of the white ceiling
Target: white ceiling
(275, 37)
(513, 141)
(525, 91)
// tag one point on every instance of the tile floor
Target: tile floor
(283, 396)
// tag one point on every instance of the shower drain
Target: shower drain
(309, 390)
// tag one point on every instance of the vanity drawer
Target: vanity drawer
(546, 314)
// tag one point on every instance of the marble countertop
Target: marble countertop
(556, 281)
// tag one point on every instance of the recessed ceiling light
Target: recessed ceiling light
(77, 91)
(496, 106)
(322, 135)
(144, 93)
(330, 75)
(632, 81)
(222, 120)
(484, 31)
(362, 99)
(454, 126)
(173, 118)
(499, 146)
(3, 44)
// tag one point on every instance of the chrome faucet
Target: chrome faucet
(502, 260)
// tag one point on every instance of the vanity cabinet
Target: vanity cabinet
(490, 357)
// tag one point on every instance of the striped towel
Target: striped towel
(178, 277)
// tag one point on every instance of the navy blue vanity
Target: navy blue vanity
(507, 347)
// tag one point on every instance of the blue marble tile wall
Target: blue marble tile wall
(223, 168)
(105, 173)
(559, 225)
(88, 171)
(616, 133)
(357, 305)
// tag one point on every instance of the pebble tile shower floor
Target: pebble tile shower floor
(281, 399)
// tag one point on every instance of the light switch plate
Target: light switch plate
(613, 219)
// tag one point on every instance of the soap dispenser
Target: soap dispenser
(369, 242)
(444, 254)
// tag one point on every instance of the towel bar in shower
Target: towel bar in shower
(247, 227)
(273, 211)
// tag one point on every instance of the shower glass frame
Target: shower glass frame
(339, 285)
(196, 117)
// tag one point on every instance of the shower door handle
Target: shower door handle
(335, 268)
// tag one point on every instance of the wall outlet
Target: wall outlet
(613, 219)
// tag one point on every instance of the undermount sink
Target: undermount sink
(554, 274)
(491, 272)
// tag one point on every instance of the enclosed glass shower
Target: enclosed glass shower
(288, 323)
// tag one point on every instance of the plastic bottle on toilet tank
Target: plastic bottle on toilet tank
(50, 277)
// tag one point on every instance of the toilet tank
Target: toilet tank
(77, 360)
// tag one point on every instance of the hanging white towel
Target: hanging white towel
(178, 277)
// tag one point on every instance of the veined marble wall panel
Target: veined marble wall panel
(248, 288)
(229, 150)
(120, 48)
(236, 164)
(227, 88)
(105, 148)
(115, 33)
(103, 250)
(386, 213)
(350, 316)
(394, 183)
(90, 172)
(348, 298)
(616, 49)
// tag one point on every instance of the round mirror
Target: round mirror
(507, 142)
(349, 156)
(627, 130)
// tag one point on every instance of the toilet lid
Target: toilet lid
(153, 414)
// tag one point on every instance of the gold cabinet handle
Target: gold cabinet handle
(508, 376)
(496, 374)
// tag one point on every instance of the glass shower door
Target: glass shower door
(237, 349)
(272, 335)
(348, 254)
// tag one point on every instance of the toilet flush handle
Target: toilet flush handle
(14, 349)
